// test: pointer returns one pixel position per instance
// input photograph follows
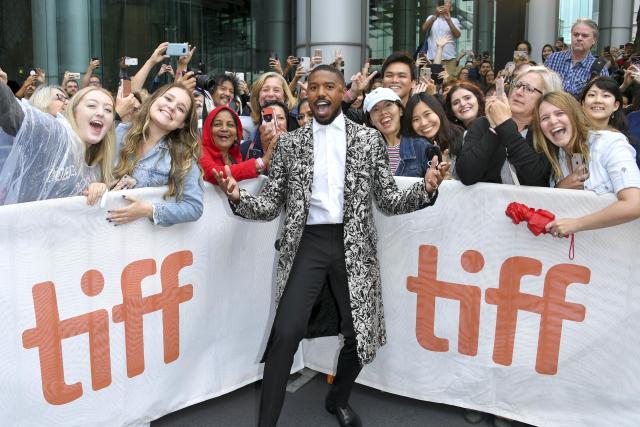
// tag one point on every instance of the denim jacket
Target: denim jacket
(152, 170)
(413, 161)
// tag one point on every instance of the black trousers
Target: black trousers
(320, 256)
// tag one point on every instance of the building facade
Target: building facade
(238, 35)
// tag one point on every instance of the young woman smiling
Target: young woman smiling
(384, 110)
(161, 147)
(464, 103)
(561, 132)
(60, 156)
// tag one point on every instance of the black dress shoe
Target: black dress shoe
(347, 417)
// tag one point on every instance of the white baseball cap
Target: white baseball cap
(377, 95)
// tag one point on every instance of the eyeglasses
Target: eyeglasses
(61, 97)
(527, 88)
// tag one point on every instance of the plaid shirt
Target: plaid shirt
(574, 76)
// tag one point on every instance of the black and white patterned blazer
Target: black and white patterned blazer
(367, 176)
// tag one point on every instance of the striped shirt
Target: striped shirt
(574, 76)
(394, 158)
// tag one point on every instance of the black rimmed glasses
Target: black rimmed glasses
(527, 88)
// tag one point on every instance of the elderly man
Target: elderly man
(326, 175)
(576, 65)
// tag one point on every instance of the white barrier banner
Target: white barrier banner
(482, 314)
(109, 326)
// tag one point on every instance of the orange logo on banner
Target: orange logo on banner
(49, 332)
(551, 306)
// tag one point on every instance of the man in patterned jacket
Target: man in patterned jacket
(326, 175)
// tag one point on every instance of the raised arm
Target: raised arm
(93, 64)
(12, 114)
(137, 81)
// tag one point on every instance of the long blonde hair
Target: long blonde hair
(580, 125)
(103, 152)
(184, 143)
(289, 99)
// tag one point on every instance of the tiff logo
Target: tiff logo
(50, 330)
(551, 306)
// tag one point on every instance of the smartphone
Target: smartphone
(440, 3)
(520, 54)
(177, 49)
(607, 49)
(240, 76)
(126, 87)
(436, 69)
(576, 161)
(306, 63)
(317, 52)
(33, 72)
(74, 76)
(509, 67)
(130, 61)
(500, 87)
(376, 61)
(273, 55)
(93, 58)
(425, 72)
(254, 153)
(433, 150)
(267, 114)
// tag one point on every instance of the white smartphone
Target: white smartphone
(500, 87)
(130, 61)
(74, 76)
(576, 161)
(177, 49)
(306, 63)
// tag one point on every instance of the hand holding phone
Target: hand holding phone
(500, 87)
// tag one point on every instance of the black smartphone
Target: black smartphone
(376, 61)
(607, 49)
(436, 69)
(440, 3)
(433, 150)
(254, 153)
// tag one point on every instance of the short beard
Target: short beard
(331, 118)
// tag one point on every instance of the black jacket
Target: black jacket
(484, 152)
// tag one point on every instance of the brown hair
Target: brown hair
(184, 143)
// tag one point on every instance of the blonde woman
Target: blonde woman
(50, 99)
(62, 156)
(161, 147)
(561, 132)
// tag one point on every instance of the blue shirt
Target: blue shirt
(574, 76)
(152, 170)
(413, 159)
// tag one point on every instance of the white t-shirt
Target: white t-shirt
(438, 29)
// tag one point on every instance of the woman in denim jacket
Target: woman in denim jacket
(383, 111)
(561, 131)
(161, 147)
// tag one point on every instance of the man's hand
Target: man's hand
(40, 75)
(93, 64)
(275, 65)
(228, 184)
(360, 81)
(136, 210)
(435, 174)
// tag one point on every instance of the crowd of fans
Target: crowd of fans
(571, 122)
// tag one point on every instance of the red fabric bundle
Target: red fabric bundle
(536, 219)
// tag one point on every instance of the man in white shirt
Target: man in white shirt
(439, 25)
(328, 280)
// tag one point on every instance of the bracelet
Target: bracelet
(261, 165)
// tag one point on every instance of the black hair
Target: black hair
(219, 79)
(618, 119)
(402, 57)
(523, 42)
(329, 68)
(367, 117)
(449, 135)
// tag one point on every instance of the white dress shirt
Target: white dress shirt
(329, 157)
